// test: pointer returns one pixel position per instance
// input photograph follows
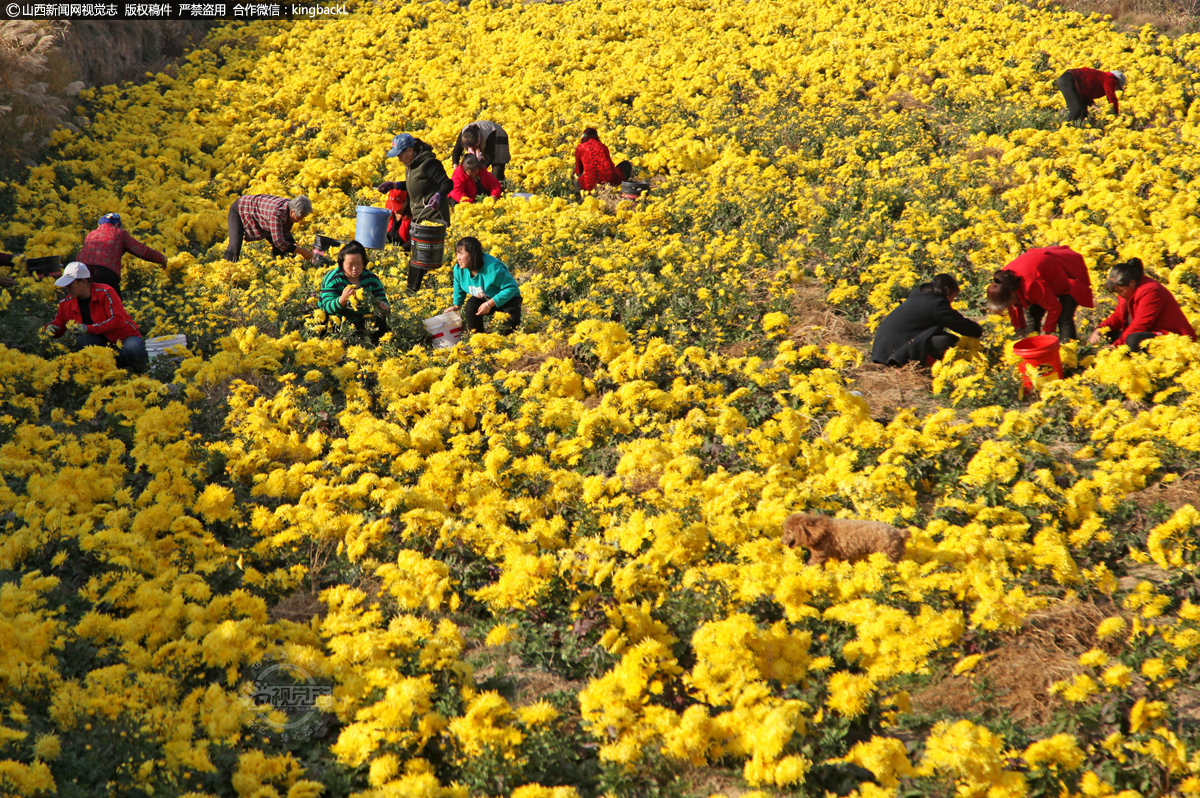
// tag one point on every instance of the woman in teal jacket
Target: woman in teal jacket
(483, 285)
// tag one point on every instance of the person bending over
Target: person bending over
(263, 217)
(104, 247)
(1081, 87)
(1049, 282)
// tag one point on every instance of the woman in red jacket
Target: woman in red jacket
(1145, 309)
(593, 164)
(469, 180)
(1051, 282)
(1081, 86)
(93, 313)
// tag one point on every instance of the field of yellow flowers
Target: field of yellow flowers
(549, 565)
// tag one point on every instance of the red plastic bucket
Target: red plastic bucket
(1040, 352)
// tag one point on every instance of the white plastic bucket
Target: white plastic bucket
(371, 226)
(160, 345)
(522, 195)
(446, 329)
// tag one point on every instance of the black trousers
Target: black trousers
(1066, 320)
(374, 327)
(415, 277)
(941, 343)
(1134, 340)
(236, 234)
(1077, 108)
(474, 321)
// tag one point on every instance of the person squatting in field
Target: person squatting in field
(594, 165)
(1145, 309)
(470, 181)
(917, 330)
(355, 293)
(93, 313)
(482, 286)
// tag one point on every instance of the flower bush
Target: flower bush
(598, 498)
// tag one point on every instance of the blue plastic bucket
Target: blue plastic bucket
(371, 226)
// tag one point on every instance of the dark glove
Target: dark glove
(434, 201)
(386, 186)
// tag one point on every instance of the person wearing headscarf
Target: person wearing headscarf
(1082, 87)
(104, 247)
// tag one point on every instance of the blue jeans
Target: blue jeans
(131, 356)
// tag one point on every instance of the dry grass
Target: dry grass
(815, 322)
(640, 483)
(887, 388)
(300, 607)
(983, 153)
(904, 101)
(1170, 17)
(1184, 490)
(529, 362)
(1020, 672)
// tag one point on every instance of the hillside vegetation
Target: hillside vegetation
(549, 565)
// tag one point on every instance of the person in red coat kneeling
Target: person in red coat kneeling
(1051, 282)
(1145, 308)
(1080, 87)
(593, 164)
(93, 313)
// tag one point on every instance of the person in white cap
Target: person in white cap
(1080, 87)
(93, 313)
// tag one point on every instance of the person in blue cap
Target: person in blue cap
(427, 185)
(104, 247)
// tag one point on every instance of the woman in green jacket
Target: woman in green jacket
(355, 293)
(483, 285)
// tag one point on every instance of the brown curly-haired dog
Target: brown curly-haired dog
(846, 539)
